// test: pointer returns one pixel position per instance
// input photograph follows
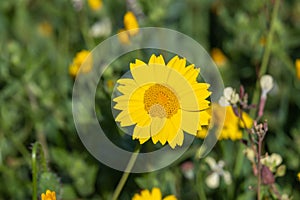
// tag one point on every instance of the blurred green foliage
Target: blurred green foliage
(38, 40)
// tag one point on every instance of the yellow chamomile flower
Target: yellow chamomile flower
(95, 4)
(131, 23)
(162, 100)
(298, 68)
(232, 124)
(49, 195)
(218, 57)
(155, 194)
(79, 59)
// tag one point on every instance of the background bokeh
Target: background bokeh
(39, 40)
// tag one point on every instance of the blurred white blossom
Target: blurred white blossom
(101, 28)
(250, 154)
(272, 161)
(213, 180)
(77, 4)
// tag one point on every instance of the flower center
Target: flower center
(160, 101)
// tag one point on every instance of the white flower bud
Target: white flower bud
(266, 83)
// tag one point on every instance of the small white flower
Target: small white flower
(229, 97)
(213, 180)
(266, 83)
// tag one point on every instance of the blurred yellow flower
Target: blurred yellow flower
(218, 57)
(45, 29)
(262, 41)
(95, 4)
(48, 196)
(123, 37)
(131, 23)
(79, 60)
(162, 100)
(298, 68)
(232, 124)
(155, 194)
(298, 175)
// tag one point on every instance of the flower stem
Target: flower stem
(37, 149)
(126, 174)
(266, 56)
(259, 167)
(199, 186)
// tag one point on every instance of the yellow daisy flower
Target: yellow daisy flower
(162, 100)
(95, 4)
(155, 194)
(48, 196)
(232, 124)
(298, 68)
(78, 61)
(131, 23)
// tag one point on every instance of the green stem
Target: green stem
(37, 148)
(266, 57)
(199, 186)
(126, 174)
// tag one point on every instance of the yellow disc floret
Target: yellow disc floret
(160, 101)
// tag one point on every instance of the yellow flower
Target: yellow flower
(162, 100)
(95, 4)
(49, 195)
(262, 41)
(131, 23)
(231, 128)
(123, 37)
(155, 194)
(298, 175)
(298, 68)
(45, 29)
(80, 59)
(218, 57)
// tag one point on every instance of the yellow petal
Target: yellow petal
(146, 194)
(124, 119)
(156, 194)
(156, 126)
(170, 197)
(153, 59)
(156, 60)
(141, 133)
(178, 140)
(138, 63)
(163, 135)
(190, 121)
(142, 74)
(192, 73)
(126, 81)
